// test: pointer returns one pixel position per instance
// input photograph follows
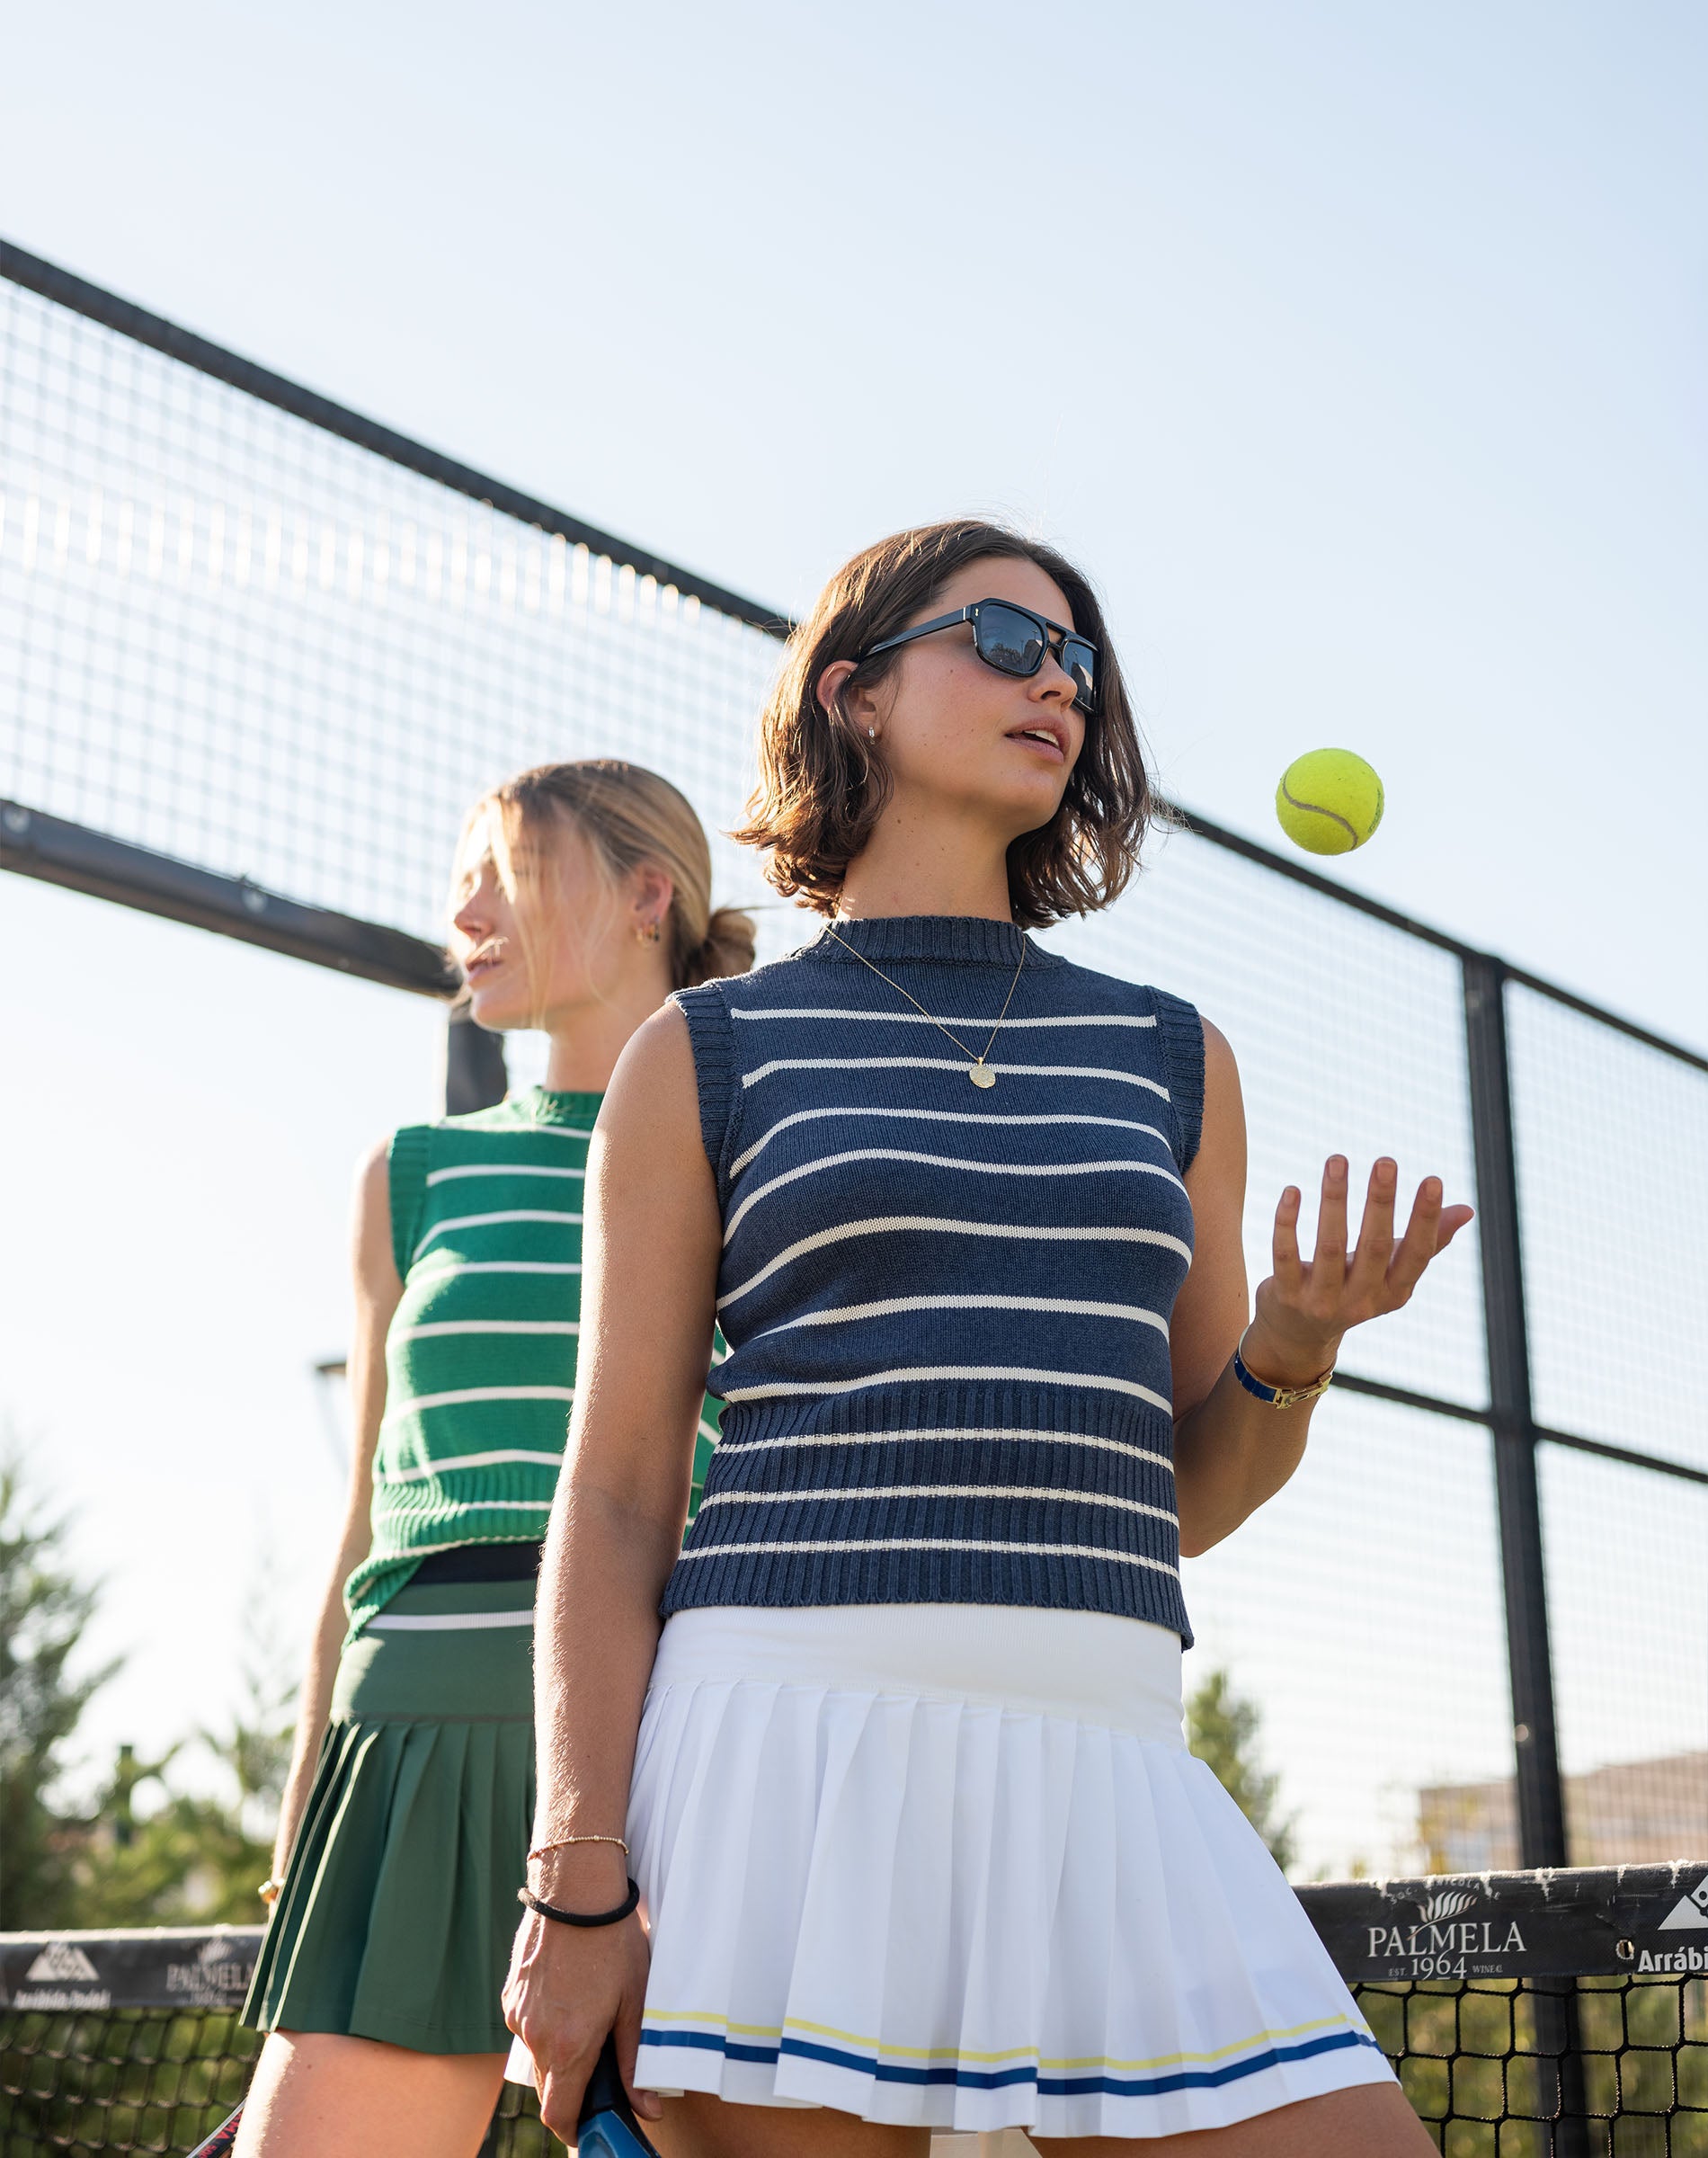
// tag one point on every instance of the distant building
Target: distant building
(1619, 1815)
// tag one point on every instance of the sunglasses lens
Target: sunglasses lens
(1078, 660)
(1007, 639)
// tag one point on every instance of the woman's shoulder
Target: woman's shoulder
(1119, 995)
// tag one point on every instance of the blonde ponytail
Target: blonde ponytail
(726, 948)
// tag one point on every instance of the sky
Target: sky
(1357, 352)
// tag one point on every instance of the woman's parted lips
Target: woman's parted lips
(1052, 731)
(484, 959)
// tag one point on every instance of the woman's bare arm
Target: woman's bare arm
(378, 1290)
(651, 1246)
(1233, 1451)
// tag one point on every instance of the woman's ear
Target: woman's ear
(828, 686)
(857, 709)
(650, 892)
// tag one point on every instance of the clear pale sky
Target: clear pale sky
(1357, 350)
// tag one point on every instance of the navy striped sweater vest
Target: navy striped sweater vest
(946, 1309)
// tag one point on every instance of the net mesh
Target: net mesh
(1591, 2068)
(232, 638)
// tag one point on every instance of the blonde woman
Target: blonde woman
(903, 1782)
(582, 900)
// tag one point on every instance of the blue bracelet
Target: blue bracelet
(1277, 1397)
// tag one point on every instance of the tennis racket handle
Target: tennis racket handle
(219, 2143)
(608, 2126)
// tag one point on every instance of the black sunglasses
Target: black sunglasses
(1013, 640)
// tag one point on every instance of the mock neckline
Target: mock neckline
(955, 940)
(545, 1107)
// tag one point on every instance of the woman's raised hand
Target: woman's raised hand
(1307, 1306)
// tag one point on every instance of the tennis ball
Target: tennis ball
(1329, 801)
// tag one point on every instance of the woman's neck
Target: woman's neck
(587, 1041)
(926, 865)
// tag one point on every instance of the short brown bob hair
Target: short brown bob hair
(823, 785)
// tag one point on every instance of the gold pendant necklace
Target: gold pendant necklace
(978, 1071)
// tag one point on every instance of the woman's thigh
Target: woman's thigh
(696, 2126)
(1370, 2121)
(319, 2095)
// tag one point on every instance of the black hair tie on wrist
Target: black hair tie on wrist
(576, 1918)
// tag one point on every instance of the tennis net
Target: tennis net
(1529, 2015)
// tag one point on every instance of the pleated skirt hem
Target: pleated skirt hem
(956, 1868)
(398, 1909)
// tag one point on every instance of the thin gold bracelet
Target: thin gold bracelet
(564, 1842)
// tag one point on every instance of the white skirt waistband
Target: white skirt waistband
(446, 1622)
(1085, 1665)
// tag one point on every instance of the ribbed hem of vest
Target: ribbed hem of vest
(406, 1180)
(1182, 1032)
(712, 1039)
(799, 1581)
(952, 940)
(1142, 1582)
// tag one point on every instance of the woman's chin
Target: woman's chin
(497, 1009)
(1031, 808)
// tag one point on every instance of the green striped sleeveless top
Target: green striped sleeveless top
(480, 1356)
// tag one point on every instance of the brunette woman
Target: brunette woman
(902, 1778)
(582, 900)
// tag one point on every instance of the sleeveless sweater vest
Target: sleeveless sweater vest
(946, 1309)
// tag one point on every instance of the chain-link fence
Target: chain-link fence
(258, 653)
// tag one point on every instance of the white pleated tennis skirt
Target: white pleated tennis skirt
(951, 1864)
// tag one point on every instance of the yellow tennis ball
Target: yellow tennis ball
(1329, 801)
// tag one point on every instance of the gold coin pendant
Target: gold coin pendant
(981, 1074)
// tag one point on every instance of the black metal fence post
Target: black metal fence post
(475, 1074)
(1540, 1791)
(1542, 1824)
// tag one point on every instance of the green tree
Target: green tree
(44, 1611)
(1223, 1730)
(197, 1858)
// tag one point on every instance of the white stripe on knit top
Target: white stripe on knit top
(445, 1176)
(495, 1458)
(947, 1065)
(467, 1394)
(921, 1019)
(840, 1494)
(937, 1543)
(942, 1116)
(436, 1327)
(936, 1374)
(942, 1161)
(487, 1221)
(951, 1435)
(936, 1225)
(837, 1314)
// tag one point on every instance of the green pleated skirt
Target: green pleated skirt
(399, 1903)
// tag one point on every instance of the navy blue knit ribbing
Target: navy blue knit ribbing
(946, 1308)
